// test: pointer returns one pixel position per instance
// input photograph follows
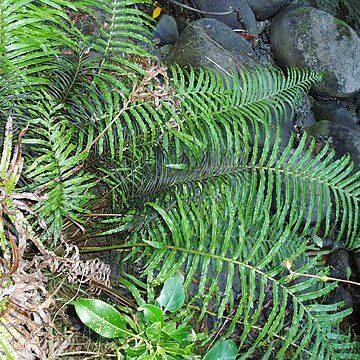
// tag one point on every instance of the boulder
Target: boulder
(335, 112)
(166, 31)
(242, 16)
(303, 36)
(208, 43)
(342, 138)
(263, 9)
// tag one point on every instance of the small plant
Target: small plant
(154, 331)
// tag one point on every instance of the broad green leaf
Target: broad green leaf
(169, 327)
(137, 352)
(153, 332)
(222, 350)
(152, 313)
(101, 317)
(172, 295)
(183, 334)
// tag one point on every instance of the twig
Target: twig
(138, 93)
(178, 3)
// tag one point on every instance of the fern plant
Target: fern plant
(231, 217)
(194, 166)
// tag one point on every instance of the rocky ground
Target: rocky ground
(282, 33)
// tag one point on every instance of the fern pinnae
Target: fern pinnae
(202, 251)
(293, 170)
(279, 304)
(117, 38)
(59, 158)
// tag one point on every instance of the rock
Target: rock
(303, 36)
(356, 257)
(339, 262)
(208, 43)
(343, 139)
(353, 104)
(166, 49)
(334, 112)
(263, 9)
(341, 293)
(166, 30)
(241, 18)
(304, 114)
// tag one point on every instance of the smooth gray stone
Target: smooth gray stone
(166, 30)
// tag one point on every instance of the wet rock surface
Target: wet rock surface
(335, 112)
(302, 36)
(339, 262)
(340, 132)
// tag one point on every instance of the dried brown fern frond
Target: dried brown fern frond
(22, 293)
(24, 299)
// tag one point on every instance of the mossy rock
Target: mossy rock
(303, 36)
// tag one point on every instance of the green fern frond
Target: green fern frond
(126, 31)
(223, 201)
(73, 87)
(31, 33)
(231, 136)
(121, 45)
(56, 170)
(97, 77)
(222, 260)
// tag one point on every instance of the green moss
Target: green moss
(343, 30)
(326, 75)
(302, 9)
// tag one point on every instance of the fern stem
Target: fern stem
(89, 249)
(324, 278)
(124, 108)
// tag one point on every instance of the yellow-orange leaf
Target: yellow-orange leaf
(156, 13)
